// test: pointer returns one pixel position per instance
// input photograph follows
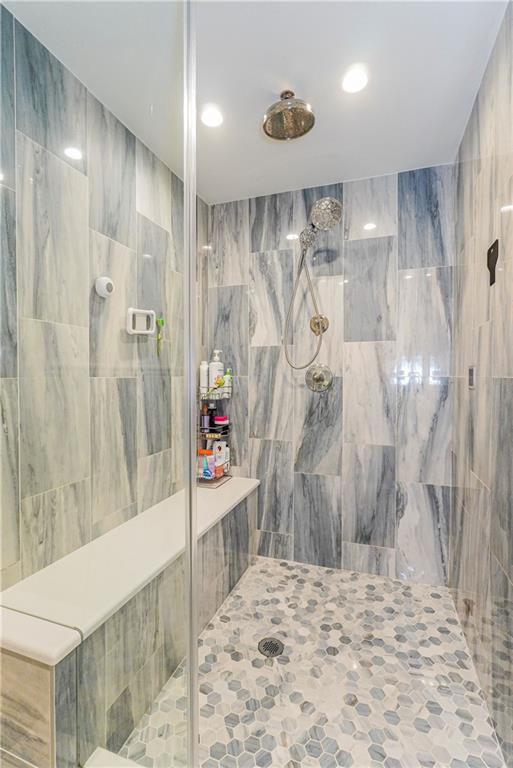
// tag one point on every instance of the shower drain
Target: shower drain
(270, 647)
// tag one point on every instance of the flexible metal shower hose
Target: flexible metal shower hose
(303, 265)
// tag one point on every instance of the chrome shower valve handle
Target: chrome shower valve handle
(319, 324)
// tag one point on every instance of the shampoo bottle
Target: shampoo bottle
(215, 368)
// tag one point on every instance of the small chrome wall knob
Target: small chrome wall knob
(318, 378)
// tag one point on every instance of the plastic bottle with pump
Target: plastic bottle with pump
(215, 368)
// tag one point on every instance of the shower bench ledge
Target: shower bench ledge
(82, 590)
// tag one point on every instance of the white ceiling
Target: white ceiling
(426, 60)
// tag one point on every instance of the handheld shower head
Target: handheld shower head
(326, 213)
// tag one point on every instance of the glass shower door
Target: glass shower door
(102, 196)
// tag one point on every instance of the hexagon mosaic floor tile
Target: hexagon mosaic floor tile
(374, 672)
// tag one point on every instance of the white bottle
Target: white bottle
(215, 368)
(203, 377)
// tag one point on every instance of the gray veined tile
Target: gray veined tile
(113, 446)
(66, 727)
(9, 472)
(10, 575)
(463, 342)
(502, 478)
(7, 118)
(50, 101)
(112, 520)
(111, 165)
(326, 256)
(54, 405)
(155, 396)
(173, 329)
(278, 545)
(426, 217)
(238, 410)
(318, 428)
(317, 520)
(469, 562)
(178, 430)
(8, 287)
(422, 532)
(172, 608)
(228, 313)
(329, 292)
(271, 463)
(270, 291)
(368, 496)
(425, 321)
(229, 259)
(271, 219)
(91, 693)
(237, 541)
(270, 394)
(369, 393)
(154, 479)
(501, 702)
(370, 293)
(365, 558)
(481, 399)
(370, 201)
(27, 711)
(153, 267)
(154, 409)
(153, 187)
(53, 524)
(424, 436)
(177, 222)
(112, 351)
(502, 317)
(51, 225)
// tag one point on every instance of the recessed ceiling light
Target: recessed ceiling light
(292, 236)
(73, 153)
(507, 208)
(1, 176)
(408, 277)
(369, 226)
(206, 247)
(146, 255)
(355, 79)
(211, 116)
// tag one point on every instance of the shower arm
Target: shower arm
(310, 231)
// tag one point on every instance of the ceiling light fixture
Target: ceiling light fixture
(206, 247)
(369, 226)
(507, 208)
(355, 78)
(211, 116)
(73, 153)
(292, 236)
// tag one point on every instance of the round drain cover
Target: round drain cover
(270, 647)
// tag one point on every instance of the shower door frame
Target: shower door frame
(190, 364)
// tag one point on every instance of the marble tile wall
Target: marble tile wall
(89, 432)
(122, 666)
(481, 526)
(359, 477)
(38, 707)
